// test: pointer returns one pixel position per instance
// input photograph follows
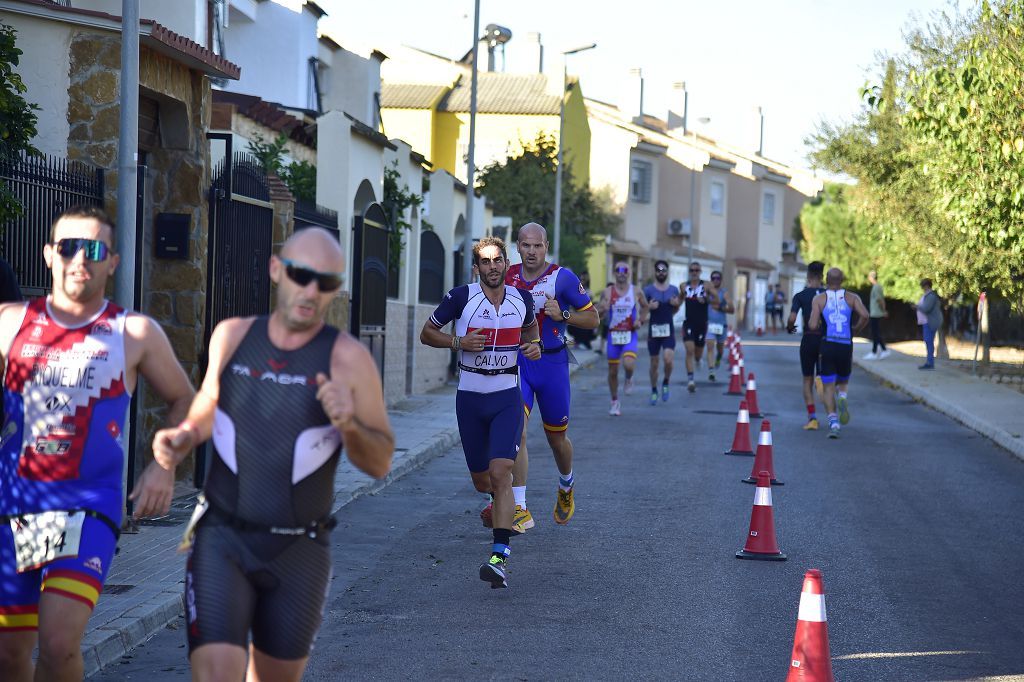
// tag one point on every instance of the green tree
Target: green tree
(17, 117)
(523, 187)
(836, 234)
(299, 176)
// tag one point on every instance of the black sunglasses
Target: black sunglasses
(301, 275)
(621, 269)
(95, 250)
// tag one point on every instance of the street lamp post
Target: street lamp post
(467, 236)
(561, 132)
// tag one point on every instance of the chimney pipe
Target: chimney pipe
(760, 144)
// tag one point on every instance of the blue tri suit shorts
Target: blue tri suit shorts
(547, 380)
(655, 346)
(490, 424)
(79, 578)
(616, 352)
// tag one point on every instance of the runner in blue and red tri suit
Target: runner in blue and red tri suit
(71, 362)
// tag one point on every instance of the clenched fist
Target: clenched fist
(337, 400)
(551, 308)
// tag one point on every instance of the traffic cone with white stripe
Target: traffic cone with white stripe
(741, 439)
(761, 543)
(755, 410)
(743, 372)
(810, 661)
(763, 456)
(735, 385)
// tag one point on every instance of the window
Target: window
(717, 198)
(768, 209)
(640, 181)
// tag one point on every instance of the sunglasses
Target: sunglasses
(621, 269)
(325, 281)
(660, 269)
(95, 250)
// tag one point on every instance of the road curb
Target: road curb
(996, 434)
(105, 646)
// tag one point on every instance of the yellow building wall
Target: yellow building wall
(597, 266)
(445, 141)
(577, 137)
(415, 126)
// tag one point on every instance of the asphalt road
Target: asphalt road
(913, 520)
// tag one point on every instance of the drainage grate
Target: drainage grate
(117, 589)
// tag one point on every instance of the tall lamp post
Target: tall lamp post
(467, 237)
(561, 134)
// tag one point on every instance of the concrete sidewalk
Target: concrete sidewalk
(144, 589)
(992, 410)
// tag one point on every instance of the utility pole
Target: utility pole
(127, 155)
(467, 237)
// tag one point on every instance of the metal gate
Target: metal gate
(432, 258)
(240, 240)
(370, 246)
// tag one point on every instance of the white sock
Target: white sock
(842, 394)
(565, 482)
(519, 492)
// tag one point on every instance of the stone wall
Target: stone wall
(431, 364)
(174, 291)
(396, 351)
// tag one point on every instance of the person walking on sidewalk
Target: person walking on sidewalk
(929, 318)
(663, 302)
(282, 395)
(834, 309)
(695, 325)
(494, 323)
(559, 299)
(619, 303)
(810, 342)
(779, 306)
(876, 306)
(718, 307)
(71, 363)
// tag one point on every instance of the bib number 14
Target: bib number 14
(40, 539)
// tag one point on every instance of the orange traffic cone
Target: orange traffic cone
(741, 439)
(755, 410)
(761, 542)
(743, 372)
(729, 337)
(763, 456)
(735, 385)
(810, 661)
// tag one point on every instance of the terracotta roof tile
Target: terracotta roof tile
(268, 114)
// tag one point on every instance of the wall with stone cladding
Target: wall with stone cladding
(431, 364)
(177, 179)
(396, 351)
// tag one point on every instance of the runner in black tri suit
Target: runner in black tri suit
(281, 395)
(810, 343)
(695, 326)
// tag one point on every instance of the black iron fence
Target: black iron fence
(44, 186)
(309, 214)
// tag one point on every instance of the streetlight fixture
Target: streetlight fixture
(561, 132)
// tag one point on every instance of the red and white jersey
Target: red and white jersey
(622, 310)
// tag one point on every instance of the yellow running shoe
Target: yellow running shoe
(565, 507)
(811, 425)
(522, 521)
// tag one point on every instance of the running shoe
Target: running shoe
(616, 409)
(711, 376)
(811, 425)
(493, 572)
(833, 431)
(486, 515)
(654, 397)
(844, 410)
(565, 507)
(883, 355)
(629, 386)
(692, 387)
(664, 393)
(870, 356)
(522, 520)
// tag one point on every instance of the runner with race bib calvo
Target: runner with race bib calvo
(663, 302)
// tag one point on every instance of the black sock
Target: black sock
(664, 382)
(502, 537)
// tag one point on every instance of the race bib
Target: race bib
(716, 328)
(621, 338)
(45, 537)
(661, 331)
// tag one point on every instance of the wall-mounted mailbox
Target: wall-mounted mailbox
(172, 235)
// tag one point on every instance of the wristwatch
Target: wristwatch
(566, 314)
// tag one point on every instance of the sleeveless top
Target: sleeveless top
(837, 315)
(495, 368)
(664, 312)
(715, 315)
(622, 310)
(65, 404)
(276, 448)
(696, 312)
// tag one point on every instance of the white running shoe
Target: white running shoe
(870, 356)
(629, 387)
(616, 409)
(883, 355)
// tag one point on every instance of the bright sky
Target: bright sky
(801, 60)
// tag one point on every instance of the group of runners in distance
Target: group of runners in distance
(258, 542)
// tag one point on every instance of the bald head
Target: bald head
(533, 231)
(315, 248)
(834, 277)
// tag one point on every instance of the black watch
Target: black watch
(566, 314)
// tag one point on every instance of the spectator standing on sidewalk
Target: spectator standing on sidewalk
(876, 309)
(929, 318)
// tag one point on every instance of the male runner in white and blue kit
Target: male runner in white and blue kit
(559, 299)
(622, 303)
(491, 319)
(663, 302)
(834, 309)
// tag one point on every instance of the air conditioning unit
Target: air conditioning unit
(679, 226)
(789, 246)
